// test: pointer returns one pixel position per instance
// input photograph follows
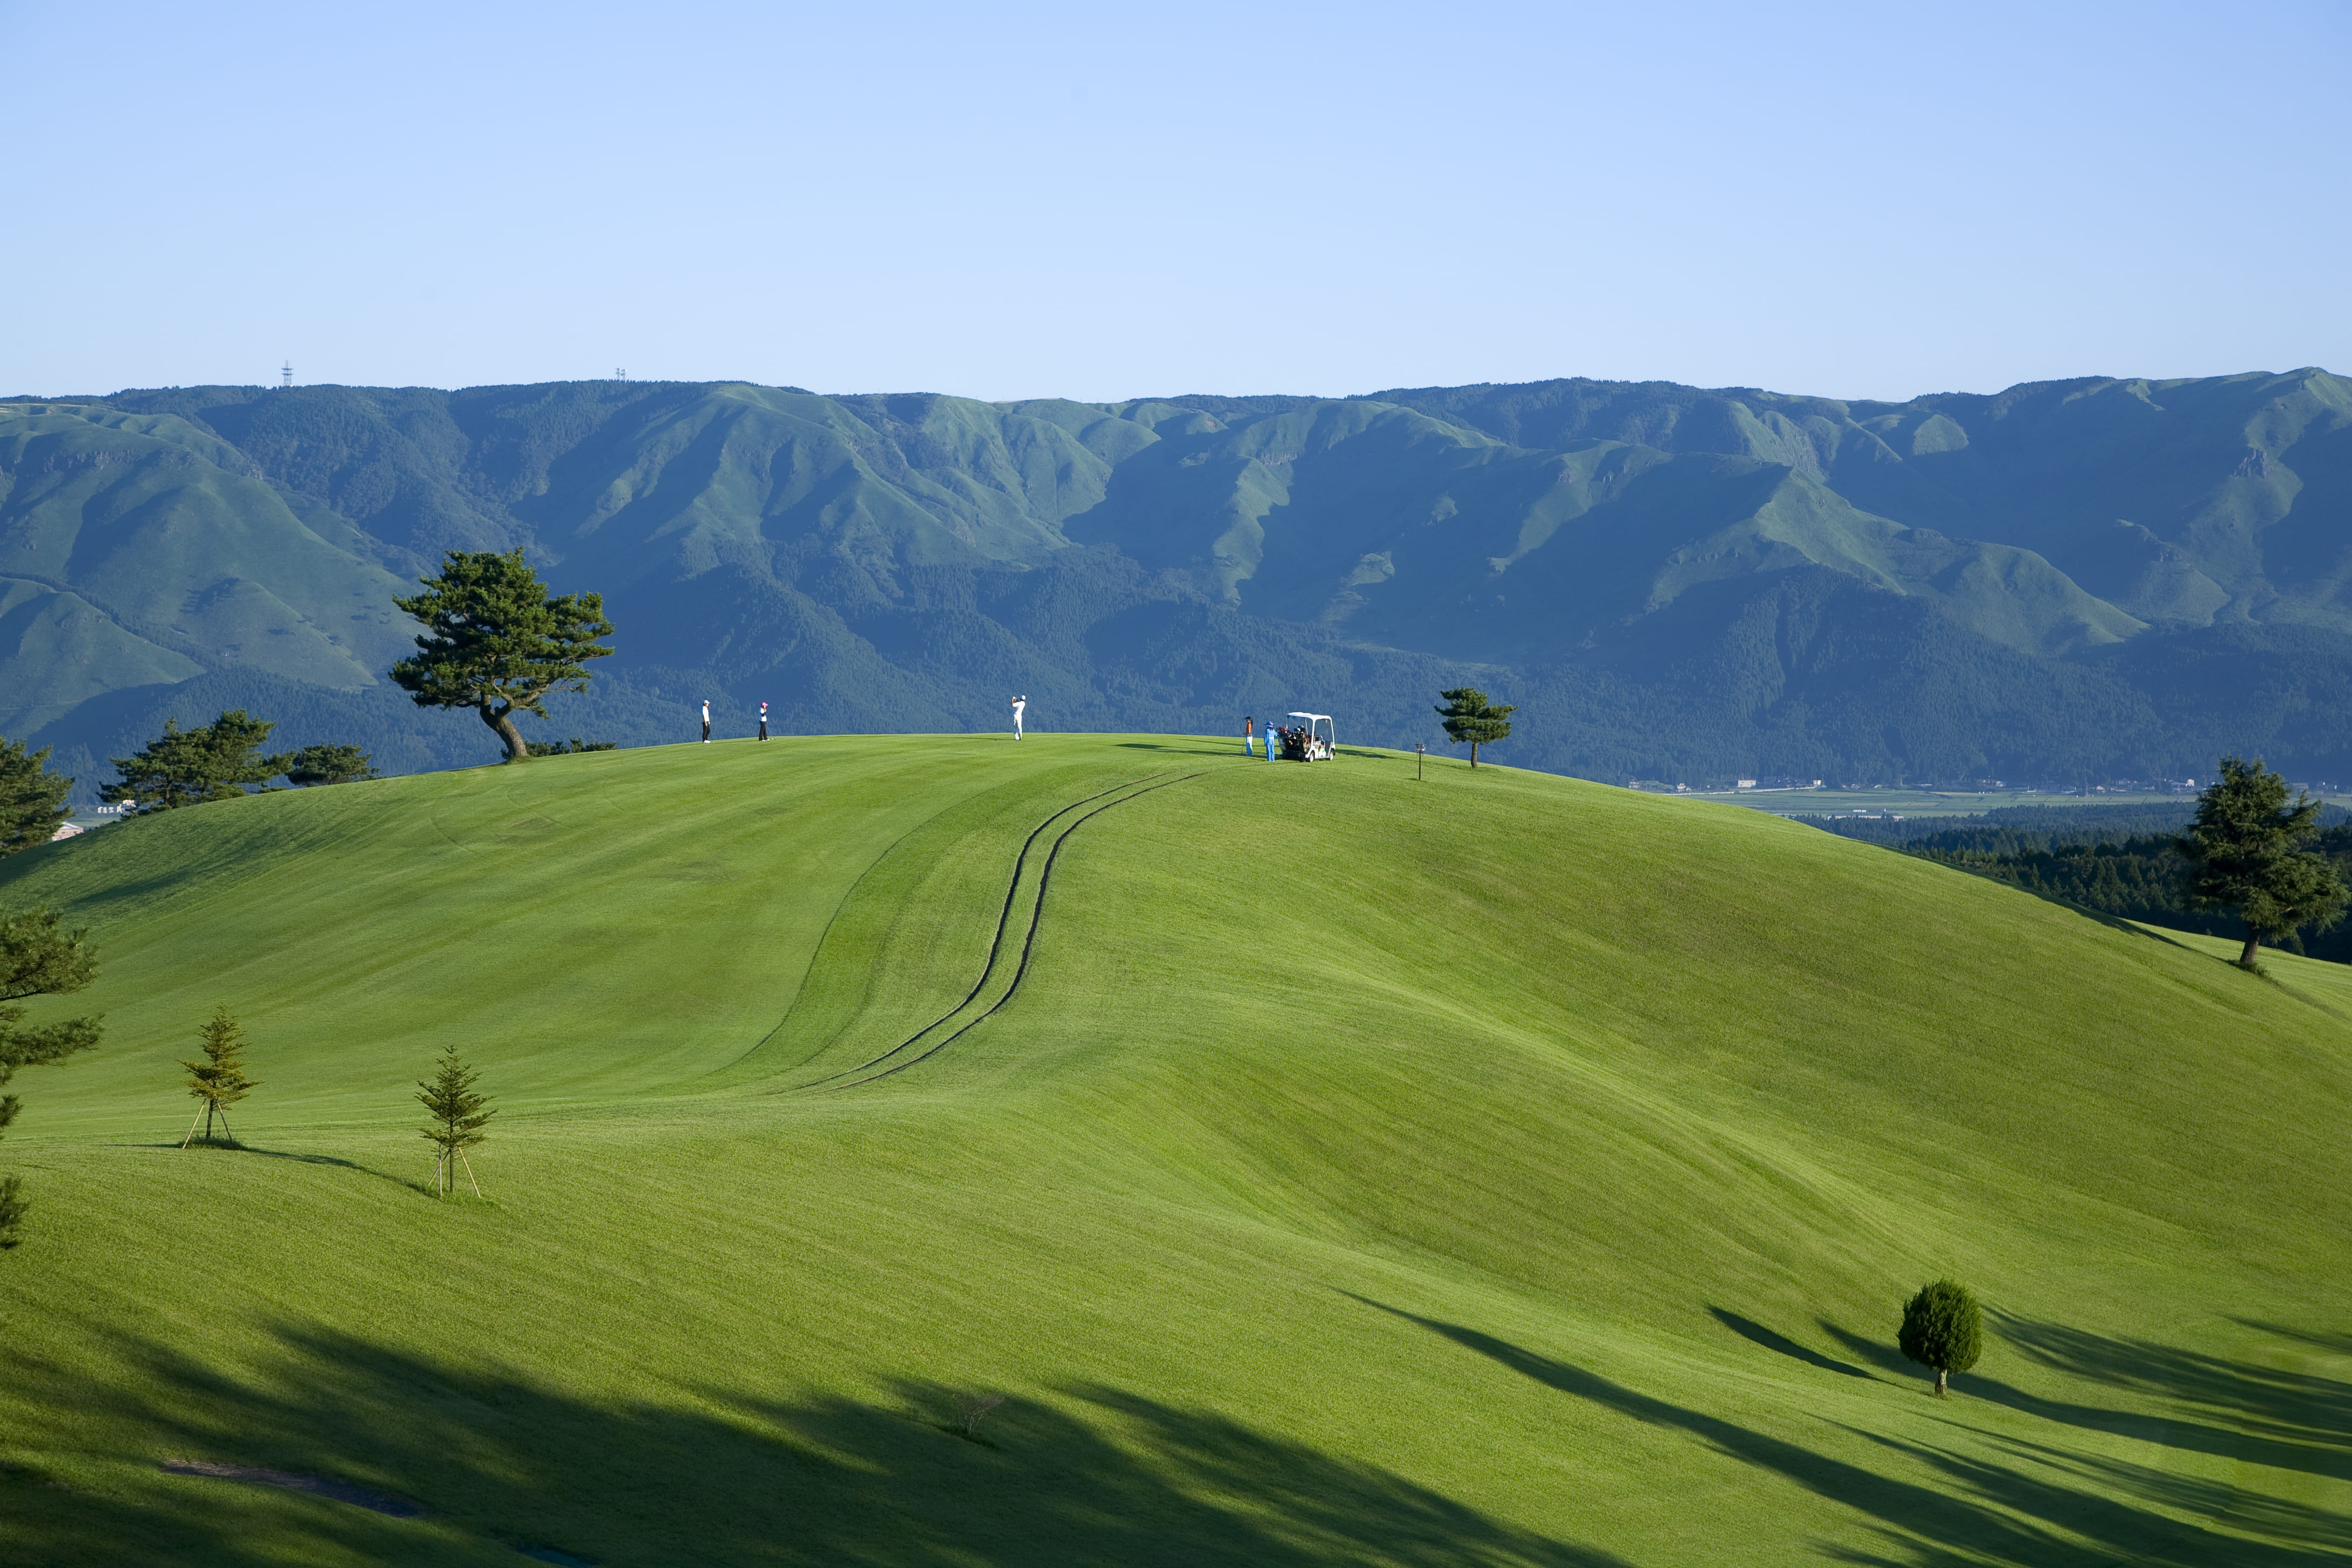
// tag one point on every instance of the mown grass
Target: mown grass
(1495, 1169)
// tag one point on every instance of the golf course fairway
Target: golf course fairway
(1333, 1167)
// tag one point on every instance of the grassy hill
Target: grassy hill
(1326, 1166)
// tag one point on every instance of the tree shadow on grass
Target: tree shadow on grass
(2294, 1419)
(1749, 1329)
(237, 1146)
(1195, 750)
(413, 1184)
(2116, 922)
(2226, 1399)
(500, 1463)
(1984, 1514)
(1880, 1355)
(2333, 1345)
(2283, 1519)
(2164, 934)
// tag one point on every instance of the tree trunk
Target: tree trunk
(1940, 1376)
(502, 724)
(1473, 754)
(2253, 940)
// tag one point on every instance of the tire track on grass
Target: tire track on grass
(1028, 945)
(1003, 918)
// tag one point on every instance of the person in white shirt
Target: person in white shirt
(706, 721)
(763, 720)
(1020, 706)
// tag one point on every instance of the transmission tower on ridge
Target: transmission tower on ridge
(287, 374)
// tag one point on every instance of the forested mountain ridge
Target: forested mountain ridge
(2106, 575)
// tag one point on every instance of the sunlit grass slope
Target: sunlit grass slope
(1490, 1169)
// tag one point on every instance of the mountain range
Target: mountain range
(2099, 577)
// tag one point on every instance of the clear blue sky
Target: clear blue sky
(1104, 201)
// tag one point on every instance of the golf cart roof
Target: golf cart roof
(1325, 717)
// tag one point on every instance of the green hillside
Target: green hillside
(142, 550)
(1328, 1167)
(2103, 577)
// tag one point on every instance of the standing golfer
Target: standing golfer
(763, 720)
(1249, 728)
(706, 721)
(1020, 706)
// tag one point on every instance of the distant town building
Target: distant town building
(67, 830)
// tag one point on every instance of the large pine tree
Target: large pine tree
(2246, 852)
(32, 798)
(36, 959)
(496, 640)
(189, 767)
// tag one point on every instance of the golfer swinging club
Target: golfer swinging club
(763, 720)
(706, 721)
(1020, 706)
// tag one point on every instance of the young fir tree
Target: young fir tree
(1471, 719)
(1942, 1328)
(2245, 852)
(457, 1115)
(219, 1079)
(32, 798)
(497, 640)
(36, 959)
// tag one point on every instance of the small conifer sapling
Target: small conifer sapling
(455, 1118)
(1943, 1329)
(218, 1081)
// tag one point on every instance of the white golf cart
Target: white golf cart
(1313, 740)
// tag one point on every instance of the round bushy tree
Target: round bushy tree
(1942, 1328)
